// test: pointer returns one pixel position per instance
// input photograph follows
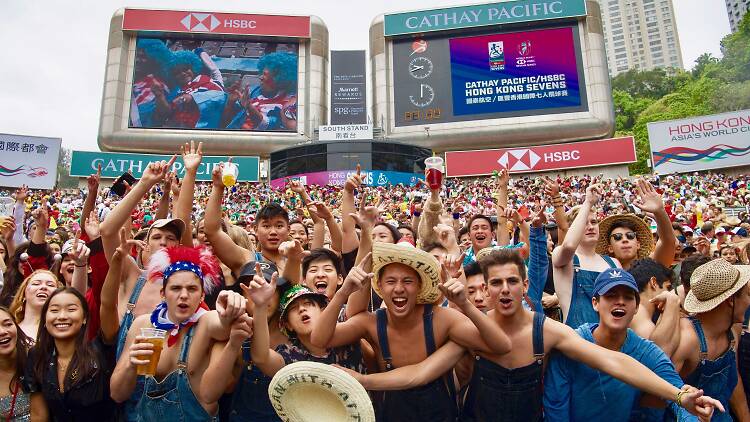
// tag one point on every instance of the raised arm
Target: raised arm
(162, 210)
(650, 201)
(563, 254)
(191, 158)
(80, 265)
(19, 212)
(319, 210)
(117, 218)
(108, 314)
(261, 292)
(92, 183)
(405, 377)
(430, 217)
(220, 371)
(232, 255)
(503, 237)
(350, 241)
(552, 189)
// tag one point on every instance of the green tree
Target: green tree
(64, 181)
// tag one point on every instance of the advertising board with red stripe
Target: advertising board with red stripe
(216, 23)
(541, 158)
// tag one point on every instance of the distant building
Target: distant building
(736, 10)
(641, 34)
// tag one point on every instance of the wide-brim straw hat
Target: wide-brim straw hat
(311, 392)
(423, 263)
(642, 231)
(732, 221)
(714, 282)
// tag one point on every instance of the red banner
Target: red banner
(216, 23)
(541, 158)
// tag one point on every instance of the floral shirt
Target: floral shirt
(347, 356)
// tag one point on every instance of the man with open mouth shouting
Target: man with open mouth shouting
(410, 327)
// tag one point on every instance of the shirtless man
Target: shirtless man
(192, 330)
(576, 264)
(408, 279)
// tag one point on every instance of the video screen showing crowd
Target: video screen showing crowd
(496, 299)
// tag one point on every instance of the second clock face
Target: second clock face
(424, 97)
(420, 67)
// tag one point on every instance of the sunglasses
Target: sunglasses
(618, 236)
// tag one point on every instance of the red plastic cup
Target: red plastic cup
(435, 169)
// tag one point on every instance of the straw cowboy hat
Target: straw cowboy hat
(311, 391)
(423, 263)
(732, 221)
(714, 282)
(642, 231)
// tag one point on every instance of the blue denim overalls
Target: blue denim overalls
(434, 402)
(172, 399)
(505, 395)
(128, 408)
(743, 355)
(250, 402)
(717, 378)
(581, 311)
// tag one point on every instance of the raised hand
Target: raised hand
(320, 210)
(7, 228)
(216, 176)
(92, 181)
(366, 217)
(453, 289)
(292, 249)
(540, 218)
(297, 187)
(593, 194)
(260, 290)
(92, 226)
(503, 178)
(21, 193)
(41, 215)
(648, 199)
(354, 181)
(445, 234)
(358, 276)
(453, 265)
(230, 306)
(80, 252)
(157, 171)
(192, 156)
(551, 188)
(513, 215)
(242, 329)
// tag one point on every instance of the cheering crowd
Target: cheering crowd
(496, 299)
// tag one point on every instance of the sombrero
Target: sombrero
(422, 262)
(714, 282)
(642, 231)
(311, 391)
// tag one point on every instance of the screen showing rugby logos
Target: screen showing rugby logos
(187, 83)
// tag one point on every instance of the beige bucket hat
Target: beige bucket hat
(422, 262)
(714, 282)
(642, 232)
(312, 392)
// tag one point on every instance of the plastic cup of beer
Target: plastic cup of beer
(229, 173)
(435, 169)
(156, 337)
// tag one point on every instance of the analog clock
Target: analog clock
(420, 67)
(424, 97)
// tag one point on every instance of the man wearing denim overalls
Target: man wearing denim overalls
(706, 357)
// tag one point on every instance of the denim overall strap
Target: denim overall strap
(185, 348)
(246, 356)
(537, 337)
(576, 263)
(701, 338)
(746, 320)
(382, 321)
(429, 337)
(609, 260)
(127, 319)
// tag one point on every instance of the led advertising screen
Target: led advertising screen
(488, 76)
(188, 83)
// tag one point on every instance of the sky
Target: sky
(54, 51)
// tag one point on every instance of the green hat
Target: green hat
(296, 292)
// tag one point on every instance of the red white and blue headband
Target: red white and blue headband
(199, 261)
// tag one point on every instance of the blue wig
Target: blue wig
(186, 58)
(156, 50)
(283, 66)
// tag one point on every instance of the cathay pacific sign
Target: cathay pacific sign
(481, 15)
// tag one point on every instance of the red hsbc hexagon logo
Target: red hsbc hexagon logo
(519, 159)
(200, 22)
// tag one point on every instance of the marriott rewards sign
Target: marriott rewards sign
(701, 143)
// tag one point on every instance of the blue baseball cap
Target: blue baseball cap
(611, 278)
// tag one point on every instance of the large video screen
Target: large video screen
(488, 76)
(185, 83)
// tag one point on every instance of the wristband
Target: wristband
(456, 215)
(678, 399)
(416, 213)
(80, 266)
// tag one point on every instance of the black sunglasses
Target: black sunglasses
(629, 235)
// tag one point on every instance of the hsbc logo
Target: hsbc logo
(200, 22)
(519, 159)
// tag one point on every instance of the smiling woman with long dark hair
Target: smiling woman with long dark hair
(72, 373)
(15, 403)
